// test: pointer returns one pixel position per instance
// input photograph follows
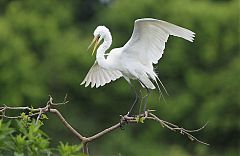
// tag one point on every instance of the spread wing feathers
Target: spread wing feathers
(147, 42)
(98, 76)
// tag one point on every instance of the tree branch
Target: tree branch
(67, 125)
(140, 118)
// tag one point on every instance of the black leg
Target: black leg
(145, 105)
(136, 98)
(148, 92)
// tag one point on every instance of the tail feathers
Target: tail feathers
(156, 80)
(146, 82)
(162, 85)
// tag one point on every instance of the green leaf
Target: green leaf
(139, 119)
(142, 120)
(44, 116)
(73, 150)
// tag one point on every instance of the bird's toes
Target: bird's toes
(145, 114)
(121, 125)
(123, 121)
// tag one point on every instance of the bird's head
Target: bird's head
(101, 32)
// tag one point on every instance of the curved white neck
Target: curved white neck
(102, 61)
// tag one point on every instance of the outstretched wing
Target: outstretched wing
(149, 36)
(99, 76)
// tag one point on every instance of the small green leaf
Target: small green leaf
(24, 116)
(142, 120)
(44, 116)
(73, 150)
(137, 119)
(20, 139)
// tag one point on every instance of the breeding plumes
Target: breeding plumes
(136, 58)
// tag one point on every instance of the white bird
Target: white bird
(136, 58)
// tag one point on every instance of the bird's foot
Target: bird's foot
(146, 112)
(141, 117)
(124, 120)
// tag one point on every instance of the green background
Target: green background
(43, 50)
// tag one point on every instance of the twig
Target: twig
(60, 103)
(67, 125)
(39, 115)
(180, 129)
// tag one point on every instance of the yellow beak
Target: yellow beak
(96, 40)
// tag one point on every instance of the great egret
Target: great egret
(136, 58)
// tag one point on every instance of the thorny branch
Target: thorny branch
(148, 115)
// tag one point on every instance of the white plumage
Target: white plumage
(136, 58)
(100, 76)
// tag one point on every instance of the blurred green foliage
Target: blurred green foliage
(43, 51)
(26, 138)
